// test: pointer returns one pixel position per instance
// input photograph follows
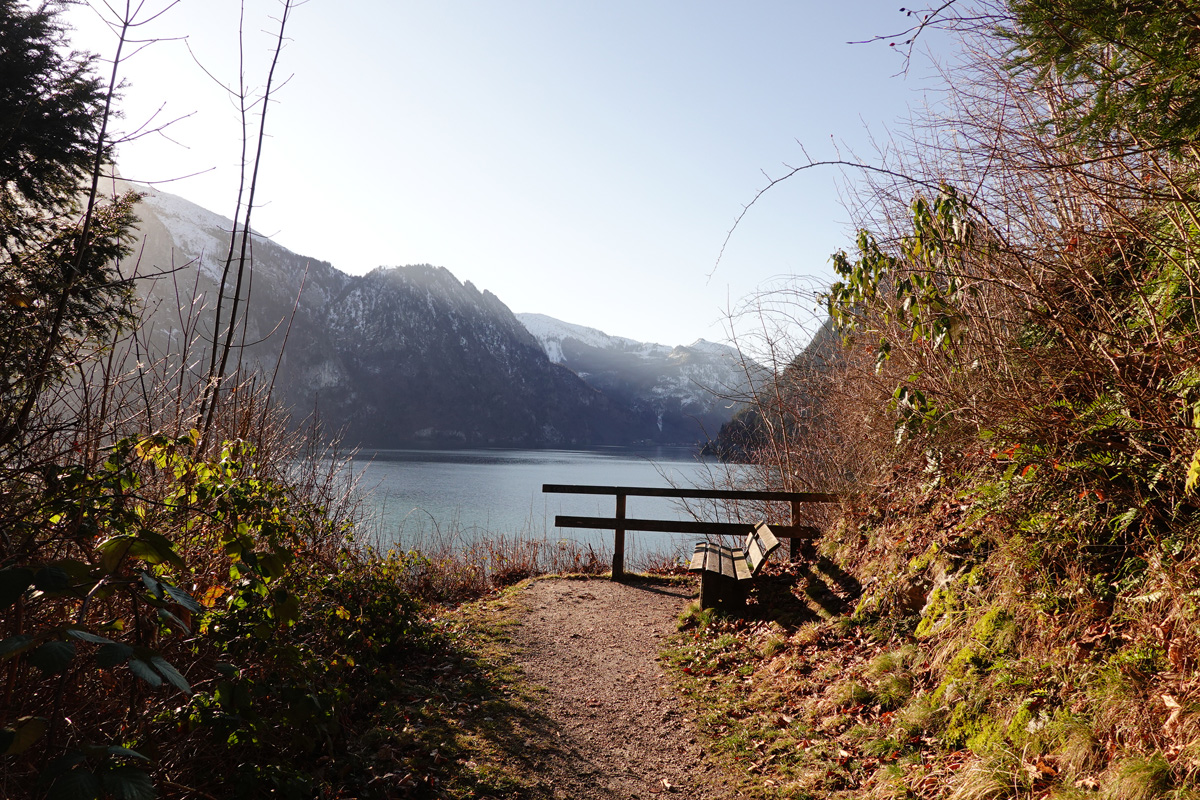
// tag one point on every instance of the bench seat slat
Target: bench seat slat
(759, 544)
(726, 561)
(741, 568)
(754, 552)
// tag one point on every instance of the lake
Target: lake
(475, 494)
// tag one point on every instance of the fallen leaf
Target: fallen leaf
(1176, 709)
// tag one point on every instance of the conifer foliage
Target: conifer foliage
(59, 288)
(1132, 65)
(51, 111)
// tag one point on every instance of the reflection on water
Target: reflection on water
(474, 494)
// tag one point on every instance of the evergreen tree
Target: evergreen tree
(59, 287)
(1128, 67)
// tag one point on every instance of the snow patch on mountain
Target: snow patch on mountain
(682, 390)
(551, 333)
(196, 233)
(412, 354)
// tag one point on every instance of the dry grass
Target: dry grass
(448, 563)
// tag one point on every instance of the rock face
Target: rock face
(429, 360)
(411, 356)
(678, 394)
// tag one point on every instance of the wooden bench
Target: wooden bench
(725, 572)
(620, 523)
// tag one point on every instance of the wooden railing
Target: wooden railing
(619, 522)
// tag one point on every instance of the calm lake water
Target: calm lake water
(473, 494)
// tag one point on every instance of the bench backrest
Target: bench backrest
(760, 543)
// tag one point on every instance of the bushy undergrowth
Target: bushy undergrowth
(451, 569)
(182, 625)
(185, 610)
(969, 665)
(1012, 416)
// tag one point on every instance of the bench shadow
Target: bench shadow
(667, 587)
(795, 593)
(846, 582)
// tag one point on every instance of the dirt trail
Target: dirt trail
(615, 729)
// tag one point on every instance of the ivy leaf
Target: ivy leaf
(19, 738)
(145, 672)
(52, 657)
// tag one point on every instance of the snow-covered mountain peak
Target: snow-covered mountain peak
(679, 387)
(195, 232)
(712, 348)
(412, 355)
(551, 333)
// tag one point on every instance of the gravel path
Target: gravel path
(615, 730)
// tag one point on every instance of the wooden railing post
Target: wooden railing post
(618, 565)
(795, 545)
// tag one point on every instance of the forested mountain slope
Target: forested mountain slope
(685, 393)
(399, 357)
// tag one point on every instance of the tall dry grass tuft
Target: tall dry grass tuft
(449, 564)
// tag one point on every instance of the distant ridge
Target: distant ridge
(685, 393)
(411, 356)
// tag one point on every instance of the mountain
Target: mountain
(787, 401)
(433, 360)
(411, 356)
(683, 393)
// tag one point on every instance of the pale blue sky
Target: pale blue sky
(581, 160)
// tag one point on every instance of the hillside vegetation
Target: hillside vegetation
(1014, 416)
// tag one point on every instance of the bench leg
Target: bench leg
(710, 589)
(736, 595)
(717, 590)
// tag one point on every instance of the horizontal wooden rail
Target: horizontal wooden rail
(619, 524)
(705, 494)
(683, 526)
